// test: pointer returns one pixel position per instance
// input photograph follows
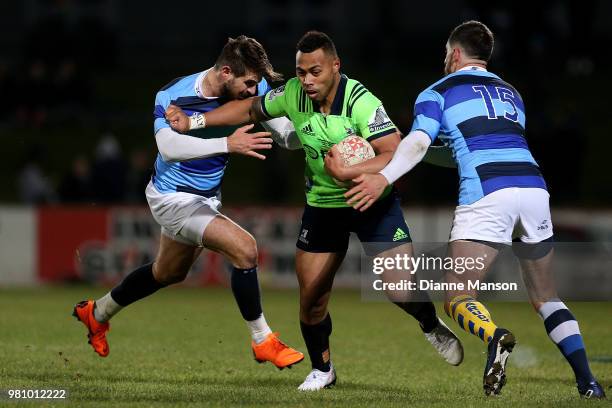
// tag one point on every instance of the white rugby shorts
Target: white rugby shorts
(183, 216)
(505, 214)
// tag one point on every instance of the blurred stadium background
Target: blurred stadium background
(78, 81)
(77, 86)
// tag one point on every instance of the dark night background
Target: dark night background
(78, 81)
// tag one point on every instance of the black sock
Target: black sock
(316, 337)
(246, 292)
(137, 285)
(423, 310)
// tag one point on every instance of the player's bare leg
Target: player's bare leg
(418, 304)
(559, 322)
(315, 273)
(174, 259)
(239, 247)
(473, 317)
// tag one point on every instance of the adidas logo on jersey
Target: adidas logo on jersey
(399, 234)
(308, 130)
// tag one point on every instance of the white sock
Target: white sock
(106, 307)
(259, 329)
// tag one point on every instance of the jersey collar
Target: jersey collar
(336, 107)
(472, 68)
(198, 88)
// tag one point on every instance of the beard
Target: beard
(229, 91)
(447, 68)
(226, 91)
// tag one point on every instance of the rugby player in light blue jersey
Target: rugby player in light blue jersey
(502, 195)
(184, 197)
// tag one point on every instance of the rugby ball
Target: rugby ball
(353, 150)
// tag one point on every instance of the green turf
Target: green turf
(189, 347)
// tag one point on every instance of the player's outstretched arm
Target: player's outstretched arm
(369, 187)
(177, 147)
(409, 153)
(230, 114)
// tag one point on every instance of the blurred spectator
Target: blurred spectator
(109, 171)
(76, 186)
(34, 185)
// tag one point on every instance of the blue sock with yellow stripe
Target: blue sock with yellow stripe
(472, 316)
(563, 330)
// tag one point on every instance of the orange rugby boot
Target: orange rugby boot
(272, 349)
(83, 311)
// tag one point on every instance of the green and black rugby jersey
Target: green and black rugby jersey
(354, 111)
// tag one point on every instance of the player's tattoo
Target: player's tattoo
(257, 114)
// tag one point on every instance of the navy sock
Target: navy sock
(316, 337)
(422, 310)
(246, 292)
(137, 285)
(563, 330)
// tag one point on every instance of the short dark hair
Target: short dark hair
(475, 38)
(245, 53)
(313, 40)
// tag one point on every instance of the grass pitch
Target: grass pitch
(190, 347)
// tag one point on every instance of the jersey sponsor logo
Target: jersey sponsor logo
(472, 308)
(379, 120)
(307, 130)
(399, 234)
(276, 92)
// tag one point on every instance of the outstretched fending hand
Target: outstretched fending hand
(245, 143)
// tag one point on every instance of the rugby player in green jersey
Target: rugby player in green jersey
(325, 106)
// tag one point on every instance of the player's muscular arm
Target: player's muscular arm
(384, 148)
(232, 113)
(236, 113)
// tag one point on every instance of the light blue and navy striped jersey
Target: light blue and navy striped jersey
(200, 176)
(482, 119)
